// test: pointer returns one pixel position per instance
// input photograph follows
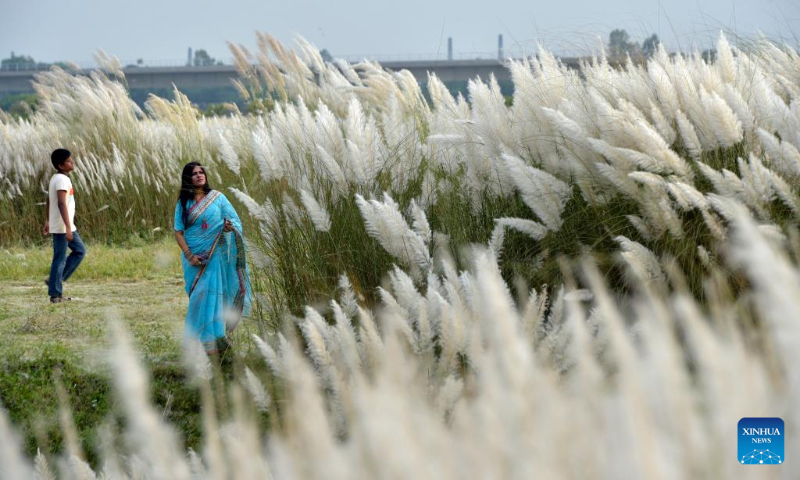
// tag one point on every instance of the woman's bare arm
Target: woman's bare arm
(187, 252)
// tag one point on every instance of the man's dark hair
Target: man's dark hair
(59, 156)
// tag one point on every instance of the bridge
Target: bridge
(151, 78)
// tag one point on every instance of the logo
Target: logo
(761, 441)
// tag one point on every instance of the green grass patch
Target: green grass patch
(142, 286)
(28, 394)
(138, 261)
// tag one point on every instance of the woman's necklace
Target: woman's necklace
(199, 197)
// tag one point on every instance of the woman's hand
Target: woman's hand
(227, 226)
(195, 261)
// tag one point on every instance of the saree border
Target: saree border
(241, 270)
(198, 208)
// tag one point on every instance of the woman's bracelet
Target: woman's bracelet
(187, 254)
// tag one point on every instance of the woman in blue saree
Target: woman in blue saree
(209, 232)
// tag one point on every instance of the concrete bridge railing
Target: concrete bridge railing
(147, 78)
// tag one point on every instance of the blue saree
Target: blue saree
(219, 289)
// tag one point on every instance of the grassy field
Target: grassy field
(142, 286)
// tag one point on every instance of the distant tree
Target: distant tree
(20, 62)
(620, 46)
(650, 45)
(619, 43)
(139, 63)
(326, 55)
(203, 59)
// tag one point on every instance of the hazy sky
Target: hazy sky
(162, 30)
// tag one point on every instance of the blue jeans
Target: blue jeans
(64, 266)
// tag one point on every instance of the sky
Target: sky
(160, 31)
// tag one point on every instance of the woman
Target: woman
(209, 232)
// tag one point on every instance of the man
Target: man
(60, 222)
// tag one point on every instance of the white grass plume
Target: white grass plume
(41, 468)
(641, 261)
(273, 359)
(256, 210)
(257, 390)
(319, 216)
(497, 239)
(420, 222)
(542, 192)
(533, 229)
(726, 126)
(386, 224)
(150, 439)
(689, 135)
(785, 156)
(14, 464)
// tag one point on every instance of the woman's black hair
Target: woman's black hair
(187, 189)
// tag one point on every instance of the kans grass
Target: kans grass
(598, 280)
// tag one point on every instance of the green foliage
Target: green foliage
(21, 105)
(203, 59)
(220, 109)
(22, 62)
(28, 395)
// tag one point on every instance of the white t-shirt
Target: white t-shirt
(61, 182)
